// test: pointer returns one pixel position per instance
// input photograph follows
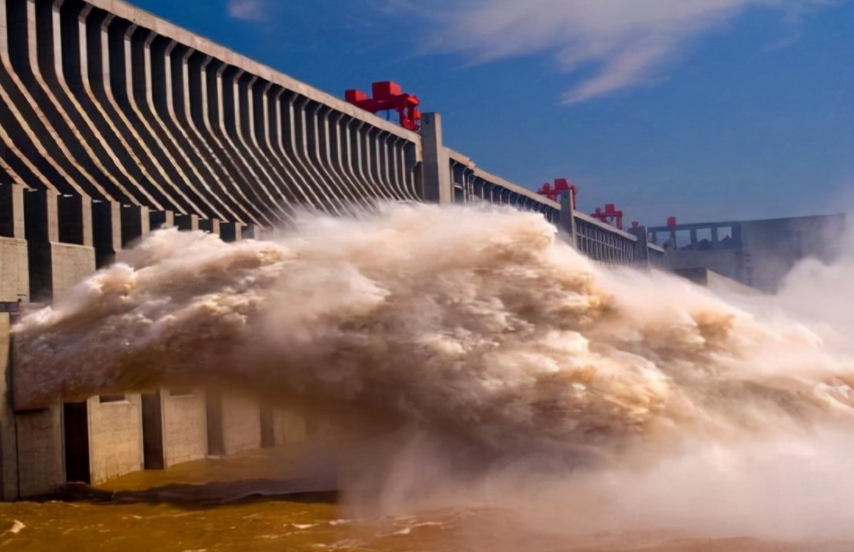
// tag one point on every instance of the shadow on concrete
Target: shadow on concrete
(206, 495)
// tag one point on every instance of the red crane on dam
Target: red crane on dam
(560, 185)
(610, 215)
(389, 96)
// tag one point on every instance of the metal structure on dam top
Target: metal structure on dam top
(113, 123)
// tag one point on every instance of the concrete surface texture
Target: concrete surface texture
(40, 451)
(289, 426)
(8, 444)
(241, 427)
(14, 271)
(184, 426)
(115, 437)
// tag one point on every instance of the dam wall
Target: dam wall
(115, 123)
(185, 435)
(756, 253)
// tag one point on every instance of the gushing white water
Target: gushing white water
(484, 332)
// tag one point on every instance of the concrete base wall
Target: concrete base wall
(727, 262)
(289, 426)
(760, 253)
(8, 442)
(71, 264)
(241, 423)
(115, 437)
(31, 453)
(41, 466)
(184, 427)
(14, 271)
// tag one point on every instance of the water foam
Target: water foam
(478, 325)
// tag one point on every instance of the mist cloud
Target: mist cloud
(485, 358)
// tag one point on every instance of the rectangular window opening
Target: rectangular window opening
(114, 398)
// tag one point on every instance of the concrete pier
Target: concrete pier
(234, 423)
(115, 436)
(185, 435)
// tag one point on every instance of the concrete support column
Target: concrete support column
(107, 223)
(184, 425)
(31, 462)
(8, 441)
(40, 451)
(12, 211)
(249, 232)
(187, 223)
(289, 425)
(59, 242)
(641, 246)
(435, 165)
(736, 235)
(114, 436)
(567, 217)
(233, 423)
(159, 220)
(14, 264)
(136, 223)
(211, 226)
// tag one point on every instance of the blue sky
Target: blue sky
(702, 109)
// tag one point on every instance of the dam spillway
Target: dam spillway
(114, 123)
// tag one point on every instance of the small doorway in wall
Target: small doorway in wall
(268, 435)
(152, 431)
(75, 421)
(216, 440)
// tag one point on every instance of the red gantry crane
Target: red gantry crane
(560, 185)
(388, 96)
(610, 215)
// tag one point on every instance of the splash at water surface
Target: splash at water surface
(479, 328)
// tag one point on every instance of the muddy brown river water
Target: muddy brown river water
(245, 503)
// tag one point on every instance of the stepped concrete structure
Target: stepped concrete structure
(114, 123)
(756, 253)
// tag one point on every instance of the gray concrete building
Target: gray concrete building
(757, 253)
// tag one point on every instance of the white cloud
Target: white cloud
(624, 43)
(249, 10)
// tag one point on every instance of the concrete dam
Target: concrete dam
(114, 123)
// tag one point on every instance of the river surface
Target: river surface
(244, 502)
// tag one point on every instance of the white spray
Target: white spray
(480, 330)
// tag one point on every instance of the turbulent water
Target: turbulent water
(494, 357)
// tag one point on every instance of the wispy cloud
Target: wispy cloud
(617, 43)
(247, 10)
